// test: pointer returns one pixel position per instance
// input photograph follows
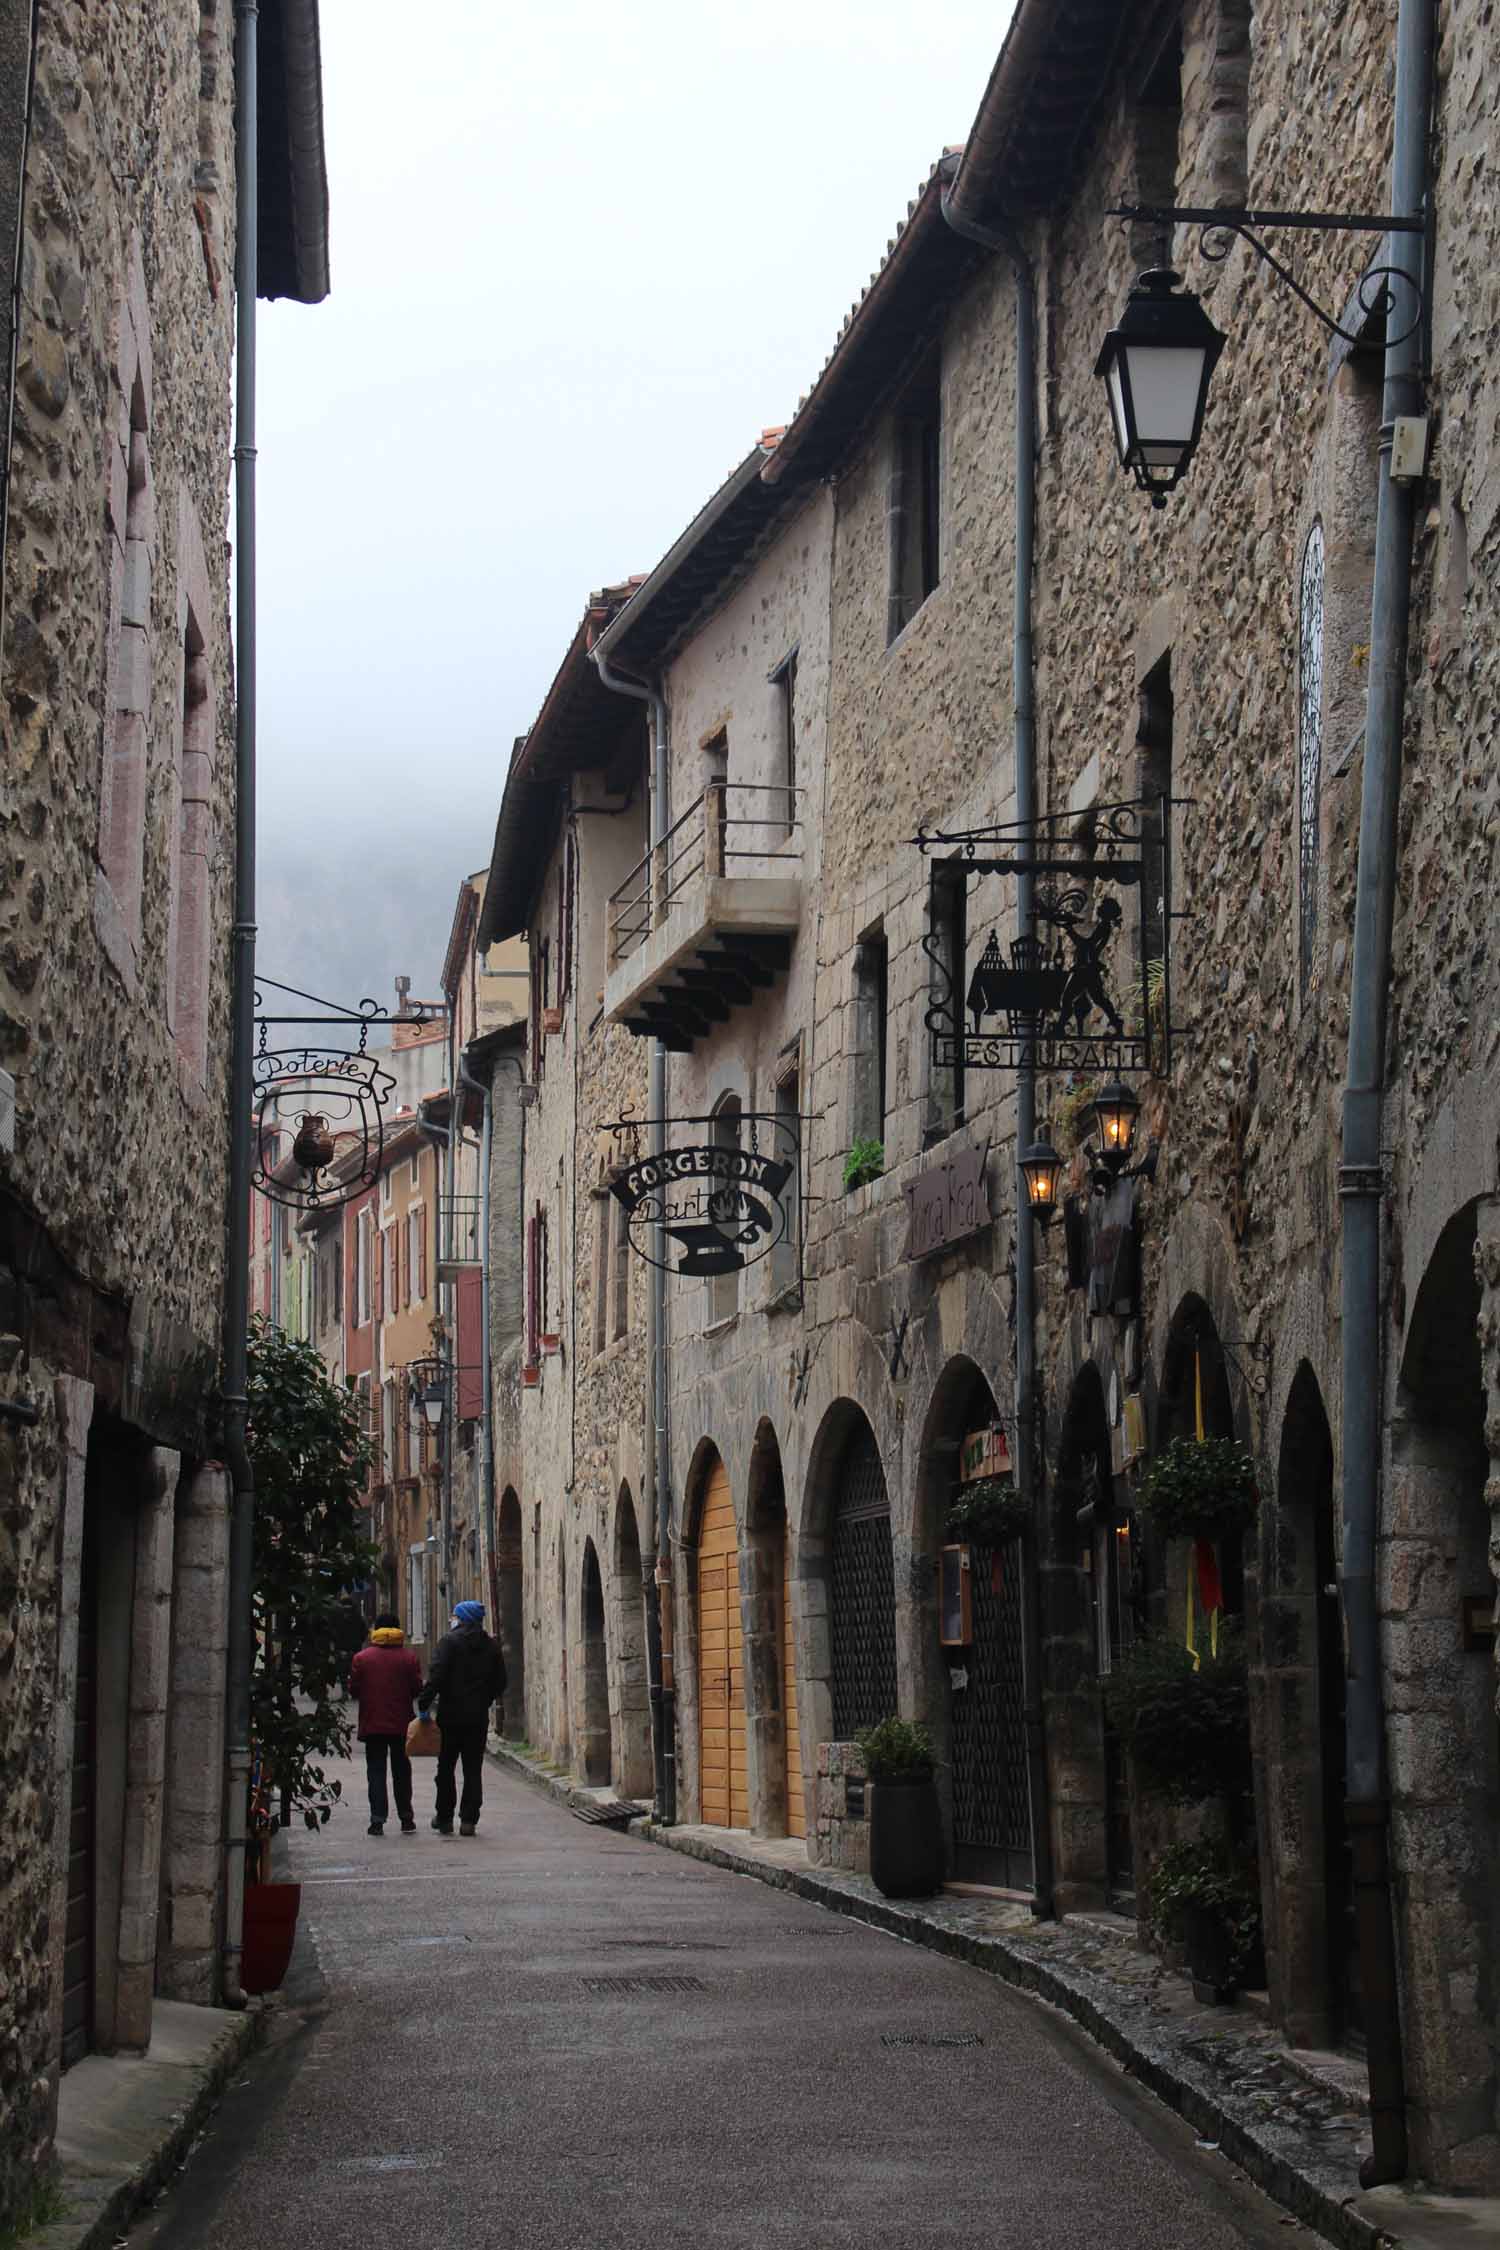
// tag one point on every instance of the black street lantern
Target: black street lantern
(1115, 1110)
(1155, 367)
(428, 1382)
(1042, 1170)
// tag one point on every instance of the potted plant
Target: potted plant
(1202, 1895)
(864, 1161)
(310, 1460)
(987, 1512)
(906, 1840)
(1200, 1488)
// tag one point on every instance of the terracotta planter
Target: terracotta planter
(270, 1927)
(906, 1838)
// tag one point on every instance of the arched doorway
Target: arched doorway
(992, 1838)
(510, 1612)
(593, 1734)
(777, 1788)
(631, 1727)
(861, 1587)
(1438, 1595)
(1314, 1957)
(723, 1776)
(1097, 1597)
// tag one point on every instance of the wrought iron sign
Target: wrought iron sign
(1065, 996)
(328, 1094)
(722, 1201)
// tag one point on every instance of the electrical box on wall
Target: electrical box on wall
(1408, 448)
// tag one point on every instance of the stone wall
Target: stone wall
(116, 706)
(842, 1836)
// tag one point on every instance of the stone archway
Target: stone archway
(1311, 1954)
(1093, 1606)
(510, 1612)
(778, 1794)
(562, 1727)
(593, 1732)
(630, 1697)
(1437, 1597)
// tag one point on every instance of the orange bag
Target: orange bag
(424, 1738)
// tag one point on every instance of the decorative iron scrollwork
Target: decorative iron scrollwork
(330, 1098)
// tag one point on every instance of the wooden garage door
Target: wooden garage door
(796, 1809)
(724, 1787)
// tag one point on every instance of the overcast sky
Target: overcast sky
(581, 256)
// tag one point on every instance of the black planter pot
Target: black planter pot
(906, 1838)
(1210, 1954)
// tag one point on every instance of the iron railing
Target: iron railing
(745, 828)
(458, 1232)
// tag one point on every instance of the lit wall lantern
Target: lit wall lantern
(1155, 368)
(1042, 1171)
(427, 1381)
(1115, 1110)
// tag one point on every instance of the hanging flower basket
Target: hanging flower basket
(1200, 1488)
(988, 1512)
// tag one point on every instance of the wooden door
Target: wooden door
(78, 1933)
(796, 1809)
(724, 1789)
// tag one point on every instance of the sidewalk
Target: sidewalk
(1293, 2121)
(125, 2122)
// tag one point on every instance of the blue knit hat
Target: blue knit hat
(469, 1613)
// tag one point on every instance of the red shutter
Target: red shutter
(422, 1254)
(533, 1323)
(470, 1348)
(377, 1260)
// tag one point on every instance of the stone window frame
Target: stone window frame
(916, 492)
(130, 552)
(726, 1130)
(192, 840)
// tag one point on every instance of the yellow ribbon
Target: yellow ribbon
(1213, 1616)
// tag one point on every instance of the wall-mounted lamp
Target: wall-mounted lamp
(1042, 1170)
(1113, 1112)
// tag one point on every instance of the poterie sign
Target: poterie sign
(723, 1207)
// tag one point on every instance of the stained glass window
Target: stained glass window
(1309, 745)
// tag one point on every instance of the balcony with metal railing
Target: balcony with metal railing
(458, 1236)
(706, 920)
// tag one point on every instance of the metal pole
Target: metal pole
(241, 1649)
(659, 1653)
(1360, 1183)
(1028, 1433)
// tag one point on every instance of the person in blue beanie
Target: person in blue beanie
(467, 1675)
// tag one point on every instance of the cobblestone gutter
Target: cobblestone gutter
(1294, 2124)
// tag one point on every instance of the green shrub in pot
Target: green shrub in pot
(1187, 1728)
(1200, 1488)
(987, 1512)
(1203, 1894)
(897, 1750)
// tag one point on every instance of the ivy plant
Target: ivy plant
(1205, 1875)
(1200, 1488)
(310, 1459)
(1187, 1728)
(987, 1512)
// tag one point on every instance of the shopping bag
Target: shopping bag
(424, 1738)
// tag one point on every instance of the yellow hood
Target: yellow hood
(387, 1636)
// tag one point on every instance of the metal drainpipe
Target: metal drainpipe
(1367, 1810)
(1023, 688)
(486, 1430)
(659, 1635)
(241, 1639)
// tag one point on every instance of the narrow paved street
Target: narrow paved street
(554, 2035)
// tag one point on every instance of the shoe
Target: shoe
(466, 1828)
(443, 1827)
(408, 1828)
(376, 1828)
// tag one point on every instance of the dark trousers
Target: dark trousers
(377, 1748)
(466, 1742)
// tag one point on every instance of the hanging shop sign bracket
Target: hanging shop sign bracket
(329, 1094)
(1071, 994)
(724, 1202)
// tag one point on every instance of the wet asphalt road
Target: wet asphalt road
(460, 2065)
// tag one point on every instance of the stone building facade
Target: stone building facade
(574, 1532)
(841, 621)
(117, 800)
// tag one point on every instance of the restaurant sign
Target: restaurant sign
(947, 1202)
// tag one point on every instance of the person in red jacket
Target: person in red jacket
(383, 1679)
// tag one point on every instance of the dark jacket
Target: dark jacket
(467, 1675)
(383, 1682)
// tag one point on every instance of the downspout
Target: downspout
(659, 1636)
(241, 1641)
(1023, 690)
(1367, 1811)
(486, 1427)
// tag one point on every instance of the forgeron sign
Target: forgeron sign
(724, 1207)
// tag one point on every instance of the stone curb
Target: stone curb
(1146, 2050)
(100, 2211)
